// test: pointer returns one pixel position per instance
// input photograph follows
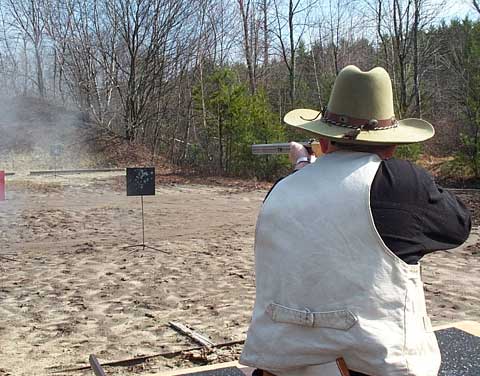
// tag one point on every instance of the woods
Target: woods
(199, 81)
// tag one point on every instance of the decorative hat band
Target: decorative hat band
(357, 125)
(360, 124)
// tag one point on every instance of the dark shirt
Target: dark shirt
(413, 215)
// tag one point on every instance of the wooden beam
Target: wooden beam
(96, 367)
(141, 359)
(197, 337)
(470, 327)
(210, 367)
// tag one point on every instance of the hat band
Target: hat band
(359, 124)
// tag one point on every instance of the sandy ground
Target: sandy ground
(68, 288)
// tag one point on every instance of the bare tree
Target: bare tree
(250, 39)
(341, 23)
(9, 59)
(476, 5)
(266, 39)
(148, 34)
(400, 24)
(289, 31)
(27, 18)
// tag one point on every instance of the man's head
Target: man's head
(383, 151)
(361, 112)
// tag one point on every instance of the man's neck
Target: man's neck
(384, 152)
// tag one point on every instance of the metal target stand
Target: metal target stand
(2, 257)
(55, 151)
(141, 182)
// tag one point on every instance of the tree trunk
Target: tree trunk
(291, 72)
(416, 83)
(247, 46)
(265, 34)
(476, 4)
(220, 140)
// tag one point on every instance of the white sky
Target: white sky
(457, 9)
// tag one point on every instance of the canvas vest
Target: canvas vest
(326, 284)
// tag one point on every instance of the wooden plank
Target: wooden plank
(211, 367)
(470, 327)
(197, 337)
(96, 367)
(141, 359)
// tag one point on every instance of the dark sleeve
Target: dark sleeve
(413, 215)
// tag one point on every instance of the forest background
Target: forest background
(198, 81)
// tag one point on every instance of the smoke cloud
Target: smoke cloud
(36, 134)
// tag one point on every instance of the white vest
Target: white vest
(326, 284)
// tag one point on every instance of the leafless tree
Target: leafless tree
(143, 68)
(148, 32)
(266, 39)
(291, 22)
(340, 22)
(399, 24)
(250, 25)
(26, 16)
(476, 5)
(9, 59)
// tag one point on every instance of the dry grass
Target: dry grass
(34, 186)
(435, 165)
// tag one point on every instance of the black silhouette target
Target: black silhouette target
(141, 181)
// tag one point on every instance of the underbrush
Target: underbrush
(453, 172)
(34, 186)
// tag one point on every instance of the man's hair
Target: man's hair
(367, 148)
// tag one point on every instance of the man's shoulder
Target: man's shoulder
(275, 185)
(401, 180)
(405, 169)
(403, 164)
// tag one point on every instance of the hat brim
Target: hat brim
(408, 131)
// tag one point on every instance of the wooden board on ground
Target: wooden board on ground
(464, 330)
(197, 337)
(470, 327)
(210, 369)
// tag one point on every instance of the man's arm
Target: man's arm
(413, 215)
(299, 157)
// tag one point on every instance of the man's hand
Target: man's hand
(299, 155)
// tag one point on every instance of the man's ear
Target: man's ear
(394, 147)
(324, 144)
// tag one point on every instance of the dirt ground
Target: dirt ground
(70, 288)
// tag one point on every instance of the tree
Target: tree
(289, 31)
(235, 120)
(26, 15)
(250, 39)
(399, 25)
(476, 4)
(468, 70)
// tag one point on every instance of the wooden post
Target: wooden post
(2, 185)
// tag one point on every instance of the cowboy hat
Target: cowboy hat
(360, 111)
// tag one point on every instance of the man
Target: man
(337, 244)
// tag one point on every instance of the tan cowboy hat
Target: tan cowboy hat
(360, 111)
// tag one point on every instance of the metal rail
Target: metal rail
(75, 171)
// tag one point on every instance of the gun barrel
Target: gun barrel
(279, 148)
